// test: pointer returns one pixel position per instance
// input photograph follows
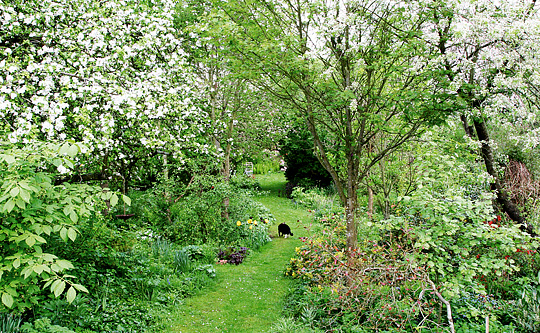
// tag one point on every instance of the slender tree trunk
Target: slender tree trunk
(502, 197)
(370, 202)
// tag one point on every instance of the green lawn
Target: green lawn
(248, 297)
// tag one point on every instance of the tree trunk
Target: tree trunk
(370, 202)
(502, 197)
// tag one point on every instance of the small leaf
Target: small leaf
(30, 240)
(59, 288)
(126, 199)
(71, 294)
(63, 234)
(10, 159)
(73, 150)
(80, 287)
(9, 205)
(17, 263)
(114, 200)
(7, 299)
(72, 234)
(14, 192)
(73, 216)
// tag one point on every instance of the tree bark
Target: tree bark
(502, 197)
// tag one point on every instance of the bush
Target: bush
(303, 167)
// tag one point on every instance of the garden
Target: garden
(150, 149)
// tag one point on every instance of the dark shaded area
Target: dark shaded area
(303, 167)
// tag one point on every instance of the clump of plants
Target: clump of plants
(374, 286)
(233, 255)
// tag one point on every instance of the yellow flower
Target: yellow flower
(265, 220)
(251, 227)
(249, 221)
(255, 222)
(238, 223)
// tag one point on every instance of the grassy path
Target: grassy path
(248, 297)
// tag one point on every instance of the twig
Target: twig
(448, 308)
(185, 191)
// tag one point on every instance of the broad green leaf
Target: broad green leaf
(72, 234)
(14, 192)
(24, 195)
(9, 205)
(64, 150)
(114, 199)
(20, 203)
(126, 199)
(10, 159)
(64, 264)
(71, 294)
(73, 216)
(59, 288)
(63, 233)
(7, 299)
(17, 263)
(73, 150)
(30, 240)
(40, 268)
(54, 284)
(40, 239)
(80, 287)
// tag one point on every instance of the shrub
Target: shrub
(34, 210)
(374, 287)
(302, 164)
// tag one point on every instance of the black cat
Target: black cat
(284, 230)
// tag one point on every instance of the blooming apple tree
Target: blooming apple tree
(109, 74)
(488, 50)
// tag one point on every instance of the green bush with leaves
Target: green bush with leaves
(34, 209)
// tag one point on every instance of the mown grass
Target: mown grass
(248, 297)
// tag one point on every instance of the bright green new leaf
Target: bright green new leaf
(71, 294)
(64, 264)
(59, 288)
(63, 233)
(14, 192)
(72, 234)
(80, 287)
(114, 199)
(73, 216)
(126, 199)
(9, 205)
(7, 299)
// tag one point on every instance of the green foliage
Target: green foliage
(526, 311)
(44, 325)
(324, 207)
(10, 323)
(33, 211)
(303, 167)
(372, 287)
(266, 166)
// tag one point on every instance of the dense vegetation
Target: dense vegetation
(409, 131)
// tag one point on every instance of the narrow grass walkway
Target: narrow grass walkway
(248, 297)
